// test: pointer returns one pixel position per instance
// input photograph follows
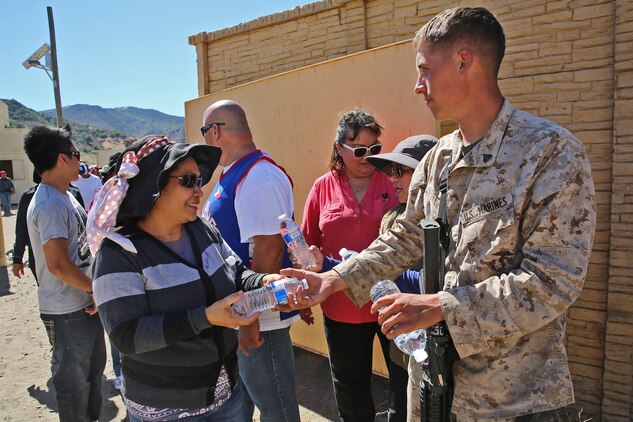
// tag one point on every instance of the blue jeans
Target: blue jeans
(231, 411)
(79, 348)
(116, 360)
(5, 198)
(268, 374)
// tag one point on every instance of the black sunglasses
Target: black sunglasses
(362, 151)
(70, 154)
(396, 170)
(188, 180)
(204, 129)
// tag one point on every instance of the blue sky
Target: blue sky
(115, 53)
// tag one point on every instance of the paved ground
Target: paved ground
(26, 391)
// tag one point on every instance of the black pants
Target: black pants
(351, 348)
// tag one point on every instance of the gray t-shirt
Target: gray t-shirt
(56, 215)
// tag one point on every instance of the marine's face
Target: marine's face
(439, 80)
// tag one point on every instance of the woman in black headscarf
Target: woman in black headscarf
(164, 282)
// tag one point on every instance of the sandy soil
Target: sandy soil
(26, 389)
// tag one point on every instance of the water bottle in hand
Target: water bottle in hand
(267, 297)
(296, 242)
(413, 343)
(346, 254)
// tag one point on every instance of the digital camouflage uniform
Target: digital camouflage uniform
(521, 207)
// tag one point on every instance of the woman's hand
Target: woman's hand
(318, 258)
(222, 314)
(269, 278)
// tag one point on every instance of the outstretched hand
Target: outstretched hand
(404, 313)
(320, 287)
(222, 314)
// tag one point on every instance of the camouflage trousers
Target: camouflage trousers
(413, 404)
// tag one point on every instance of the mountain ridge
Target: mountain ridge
(130, 120)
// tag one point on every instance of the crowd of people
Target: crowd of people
(158, 271)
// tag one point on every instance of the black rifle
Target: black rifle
(436, 387)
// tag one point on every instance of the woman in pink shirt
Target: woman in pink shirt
(343, 210)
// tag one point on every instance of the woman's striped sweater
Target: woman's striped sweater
(152, 305)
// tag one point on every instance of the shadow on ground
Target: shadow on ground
(46, 397)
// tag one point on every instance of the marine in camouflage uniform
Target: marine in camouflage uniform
(522, 216)
(521, 211)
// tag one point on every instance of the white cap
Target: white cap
(420, 356)
(282, 216)
(304, 283)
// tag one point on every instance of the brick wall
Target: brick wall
(570, 61)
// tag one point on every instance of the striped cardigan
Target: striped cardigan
(152, 305)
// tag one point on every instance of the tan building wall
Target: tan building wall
(569, 61)
(12, 148)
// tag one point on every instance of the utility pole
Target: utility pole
(58, 97)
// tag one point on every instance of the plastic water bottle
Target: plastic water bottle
(267, 297)
(296, 242)
(346, 254)
(413, 343)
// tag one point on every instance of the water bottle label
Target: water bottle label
(292, 236)
(279, 291)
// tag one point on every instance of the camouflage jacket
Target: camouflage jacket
(521, 207)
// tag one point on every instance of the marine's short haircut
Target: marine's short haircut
(474, 28)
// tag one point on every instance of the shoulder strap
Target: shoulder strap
(442, 214)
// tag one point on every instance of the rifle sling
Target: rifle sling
(442, 214)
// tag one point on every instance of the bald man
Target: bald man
(252, 192)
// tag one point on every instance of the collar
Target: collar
(484, 154)
(243, 157)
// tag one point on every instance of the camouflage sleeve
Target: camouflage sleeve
(557, 229)
(393, 252)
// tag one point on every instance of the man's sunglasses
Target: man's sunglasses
(362, 151)
(70, 154)
(204, 129)
(396, 170)
(188, 180)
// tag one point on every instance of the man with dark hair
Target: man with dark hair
(520, 213)
(56, 225)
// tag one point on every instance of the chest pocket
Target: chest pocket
(331, 212)
(482, 225)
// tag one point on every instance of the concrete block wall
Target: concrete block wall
(570, 61)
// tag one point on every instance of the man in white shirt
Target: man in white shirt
(88, 184)
(252, 192)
